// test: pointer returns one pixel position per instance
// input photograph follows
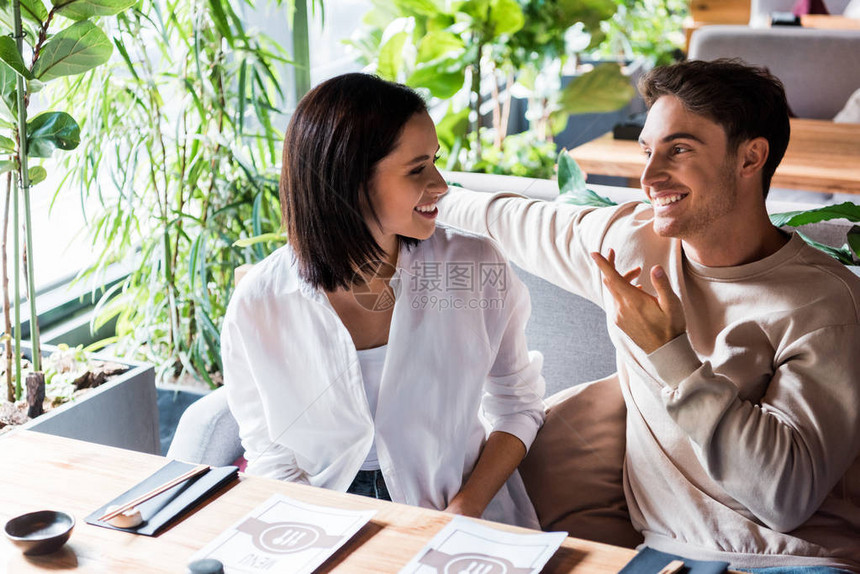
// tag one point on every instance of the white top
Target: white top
(371, 362)
(457, 367)
(743, 434)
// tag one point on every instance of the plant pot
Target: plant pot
(173, 400)
(122, 412)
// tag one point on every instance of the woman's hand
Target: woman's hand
(463, 506)
(499, 458)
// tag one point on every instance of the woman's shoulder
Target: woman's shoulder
(272, 278)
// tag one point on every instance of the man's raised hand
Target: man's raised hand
(649, 321)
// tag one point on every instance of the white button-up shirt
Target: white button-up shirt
(457, 368)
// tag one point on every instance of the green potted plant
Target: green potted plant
(43, 44)
(194, 106)
(463, 51)
(849, 252)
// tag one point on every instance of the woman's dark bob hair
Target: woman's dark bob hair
(339, 132)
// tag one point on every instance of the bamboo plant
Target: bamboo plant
(41, 44)
(183, 150)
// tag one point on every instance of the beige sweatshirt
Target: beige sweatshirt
(743, 435)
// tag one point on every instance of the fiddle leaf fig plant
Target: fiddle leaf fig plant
(40, 43)
(477, 53)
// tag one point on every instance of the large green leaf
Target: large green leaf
(34, 10)
(8, 93)
(589, 12)
(854, 240)
(51, 130)
(8, 84)
(37, 174)
(497, 16)
(7, 165)
(452, 127)
(847, 210)
(7, 144)
(571, 184)
(558, 121)
(440, 44)
(585, 197)
(841, 254)
(476, 9)
(570, 176)
(75, 50)
(83, 9)
(506, 17)
(603, 89)
(417, 7)
(9, 53)
(441, 83)
(391, 56)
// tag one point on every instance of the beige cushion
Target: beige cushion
(573, 472)
(850, 114)
(852, 10)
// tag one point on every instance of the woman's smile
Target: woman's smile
(427, 210)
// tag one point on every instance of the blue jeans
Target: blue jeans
(795, 570)
(370, 483)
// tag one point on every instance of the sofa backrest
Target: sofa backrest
(571, 334)
(819, 68)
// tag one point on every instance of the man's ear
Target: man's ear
(753, 154)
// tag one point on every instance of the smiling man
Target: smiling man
(736, 342)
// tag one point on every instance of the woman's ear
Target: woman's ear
(754, 154)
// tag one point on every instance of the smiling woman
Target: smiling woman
(406, 186)
(345, 362)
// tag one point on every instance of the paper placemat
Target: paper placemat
(467, 546)
(284, 535)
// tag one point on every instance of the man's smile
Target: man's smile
(667, 199)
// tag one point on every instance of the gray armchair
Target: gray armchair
(819, 68)
(207, 432)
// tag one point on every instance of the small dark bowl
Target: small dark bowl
(40, 532)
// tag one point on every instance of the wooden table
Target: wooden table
(41, 471)
(828, 22)
(708, 12)
(822, 156)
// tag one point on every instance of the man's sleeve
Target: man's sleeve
(782, 457)
(550, 240)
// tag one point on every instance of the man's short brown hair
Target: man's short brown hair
(747, 102)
